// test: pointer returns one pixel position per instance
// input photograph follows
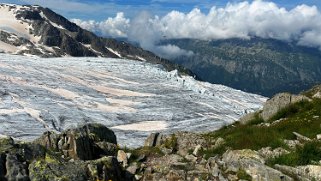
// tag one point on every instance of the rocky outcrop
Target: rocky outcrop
(86, 143)
(182, 142)
(252, 163)
(154, 139)
(278, 102)
(248, 117)
(304, 173)
(84, 153)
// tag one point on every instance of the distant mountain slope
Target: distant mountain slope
(34, 30)
(263, 66)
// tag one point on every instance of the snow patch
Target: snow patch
(141, 58)
(143, 126)
(7, 48)
(114, 52)
(52, 23)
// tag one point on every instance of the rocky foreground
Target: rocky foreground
(277, 150)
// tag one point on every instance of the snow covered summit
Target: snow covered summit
(34, 30)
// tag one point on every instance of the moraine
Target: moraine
(133, 98)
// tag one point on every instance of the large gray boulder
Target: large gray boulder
(87, 142)
(278, 102)
(253, 164)
(154, 139)
(307, 172)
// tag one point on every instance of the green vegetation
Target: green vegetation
(307, 154)
(214, 151)
(302, 117)
(171, 143)
(242, 175)
(147, 151)
(292, 110)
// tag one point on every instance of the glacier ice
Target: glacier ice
(133, 98)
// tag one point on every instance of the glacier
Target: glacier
(133, 98)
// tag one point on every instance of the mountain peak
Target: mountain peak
(34, 30)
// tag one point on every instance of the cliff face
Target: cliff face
(262, 66)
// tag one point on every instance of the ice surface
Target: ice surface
(132, 98)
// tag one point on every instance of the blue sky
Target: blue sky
(101, 9)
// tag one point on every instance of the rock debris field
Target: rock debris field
(132, 98)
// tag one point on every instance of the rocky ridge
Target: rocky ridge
(35, 30)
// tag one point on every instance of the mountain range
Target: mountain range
(34, 30)
(256, 65)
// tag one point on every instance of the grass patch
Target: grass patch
(242, 175)
(212, 152)
(292, 110)
(257, 120)
(301, 117)
(171, 143)
(147, 151)
(309, 153)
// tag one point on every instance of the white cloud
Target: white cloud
(235, 20)
(172, 51)
(112, 27)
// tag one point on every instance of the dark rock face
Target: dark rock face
(51, 36)
(32, 15)
(84, 153)
(85, 143)
(60, 20)
(16, 169)
(262, 66)
(2, 167)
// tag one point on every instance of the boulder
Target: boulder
(247, 117)
(122, 158)
(307, 172)
(187, 141)
(301, 138)
(16, 170)
(105, 168)
(197, 150)
(46, 170)
(213, 167)
(87, 142)
(6, 143)
(191, 158)
(278, 102)
(218, 142)
(132, 168)
(252, 164)
(154, 139)
(292, 143)
(268, 152)
(2, 167)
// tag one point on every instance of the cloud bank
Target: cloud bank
(236, 20)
